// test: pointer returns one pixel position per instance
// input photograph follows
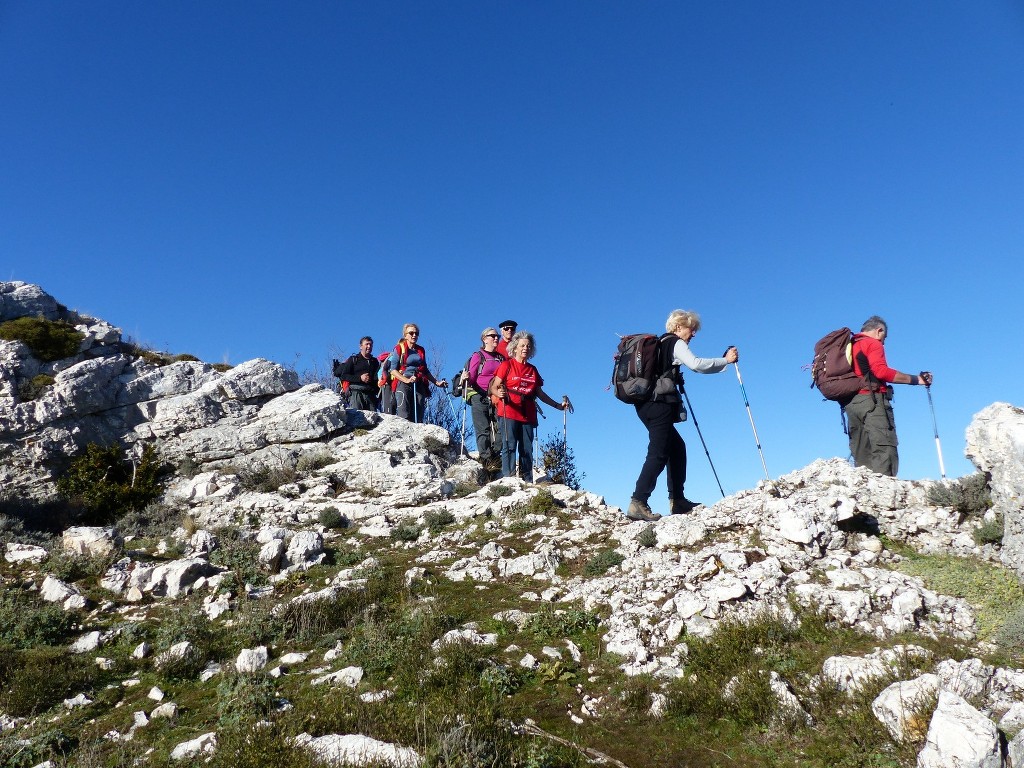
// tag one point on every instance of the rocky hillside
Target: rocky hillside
(226, 564)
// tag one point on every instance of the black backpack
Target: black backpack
(832, 367)
(639, 374)
(460, 381)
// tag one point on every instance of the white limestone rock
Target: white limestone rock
(201, 745)
(900, 705)
(960, 736)
(354, 749)
(251, 660)
(92, 541)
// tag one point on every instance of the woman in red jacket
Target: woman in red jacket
(515, 390)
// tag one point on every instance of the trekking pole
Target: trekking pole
(695, 424)
(757, 440)
(935, 426)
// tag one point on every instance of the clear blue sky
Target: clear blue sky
(272, 179)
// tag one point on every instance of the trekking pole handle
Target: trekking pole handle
(567, 404)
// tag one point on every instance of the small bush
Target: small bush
(990, 531)
(406, 531)
(185, 358)
(648, 537)
(244, 698)
(240, 554)
(32, 388)
(26, 621)
(222, 367)
(260, 745)
(543, 503)
(34, 680)
(49, 340)
(106, 484)
(968, 495)
(550, 624)
(310, 462)
(331, 518)
(266, 479)
(599, 564)
(435, 446)
(464, 489)
(69, 567)
(560, 463)
(495, 492)
(435, 520)
(155, 520)
(1011, 634)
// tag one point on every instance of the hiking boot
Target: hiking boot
(638, 510)
(682, 506)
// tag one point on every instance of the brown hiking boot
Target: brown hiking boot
(682, 506)
(638, 510)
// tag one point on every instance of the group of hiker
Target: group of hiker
(499, 384)
(501, 388)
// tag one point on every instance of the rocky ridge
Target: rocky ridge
(806, 540)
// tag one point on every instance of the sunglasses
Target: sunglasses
(491, 336)
(412, 333)
(508, 327)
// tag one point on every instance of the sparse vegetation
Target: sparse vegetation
(437, 519)
(30, 389)
(648, 537)
(331, 518)
(990, 531)
(969, 495)
(314, 460)
(560, 462)
(48, 340)
(265, 478)
(106, 483)
(495, 492)
(599, 564)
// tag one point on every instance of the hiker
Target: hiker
(508, 327)
(479, 372)
(869, 415)
(411, 379)
(666, 446)
(384, 393)
(515, 389)
(360, 372)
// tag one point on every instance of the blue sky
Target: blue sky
(270, 179)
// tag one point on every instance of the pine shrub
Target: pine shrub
(105, 484)
(968, 495)
(49, 340)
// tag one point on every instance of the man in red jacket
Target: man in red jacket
(869, 415)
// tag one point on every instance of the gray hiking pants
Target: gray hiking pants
(484, 425)
(873, 434)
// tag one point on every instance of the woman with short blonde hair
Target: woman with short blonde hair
(665, 447)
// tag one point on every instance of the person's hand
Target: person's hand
(732, 355)
(567, 404)
(364, 378)
(925, 377)
(442, 383)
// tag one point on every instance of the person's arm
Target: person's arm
(348, 372)
(681, 355)
(548, 400)
(473, 370)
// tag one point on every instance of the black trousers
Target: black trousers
(664, 449)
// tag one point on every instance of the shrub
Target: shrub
(222, 367)
(990, 531)
(69, 567)
(266, 479)
(240, 554)
(560, 462)
(331, 518)
(1011, 634)
(464, 489)
(968, 495)
(32, 388)
(314, 460)
(550, 624)
(495, 492)
(49, 340)
(260, 745)
(104, 483)
(244, 698)
(185, 358)
(34, 680)
(435, 446)
(155, 520)
(26, 621)
(599, 564)
(406, 531)
(648, 537)
(543, 503)
(435, 520)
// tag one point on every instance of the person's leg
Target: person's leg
(361, 401)
(676, 465)
(508, 447)
(526, 452)
(860, 445)
(657, 417)
(880, 428)
(403, 401)
(481, 426)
